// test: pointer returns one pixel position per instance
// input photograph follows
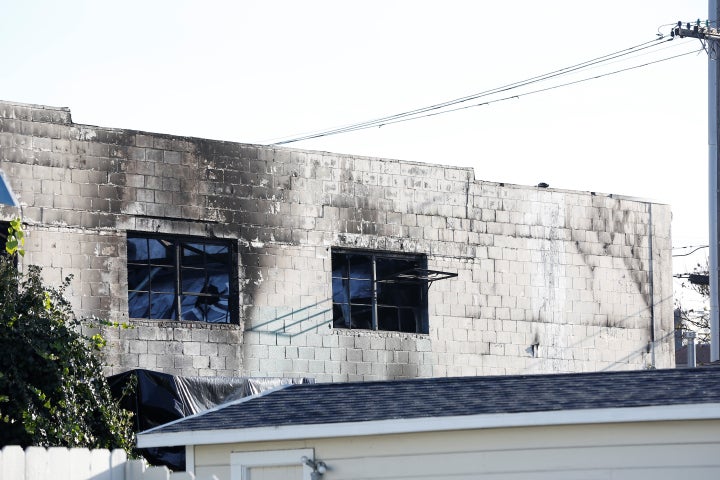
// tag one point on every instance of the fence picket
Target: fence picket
(100, 464)
(58, 459)
(59, 463)
(13, 466)
(79, 463)
(117, 464)
(36, 463)
(134, 470)
(157, 473)
(182, 476)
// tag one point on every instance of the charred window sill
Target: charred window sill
(346, 332)
(147, 322)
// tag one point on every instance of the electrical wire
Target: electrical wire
(675, 44)
(536, 91)
(507, 87)
(690, 253)
(660, 34)
(538, 78)
(489, 102)
(690, 246)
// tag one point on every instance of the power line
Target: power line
(417, 113)
(391, 121)
(691, 252)
(535, 91)
(528, 81)
(633, 55)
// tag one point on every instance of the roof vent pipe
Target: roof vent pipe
(691, 357)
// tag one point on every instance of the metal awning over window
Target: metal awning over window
(414, 275)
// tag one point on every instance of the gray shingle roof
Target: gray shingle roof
(324, 403)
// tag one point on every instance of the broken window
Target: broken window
(181, 278)
(379, 291)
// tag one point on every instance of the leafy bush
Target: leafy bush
(52, 390)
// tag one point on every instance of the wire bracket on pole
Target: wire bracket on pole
(709, 37)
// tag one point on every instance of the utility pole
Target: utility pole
(714, 194)
(710, 38)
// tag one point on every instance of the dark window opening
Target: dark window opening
(4, 226)
(374, 291)
(181, 278)
(3, 237)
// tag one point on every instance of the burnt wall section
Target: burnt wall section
(548, 280)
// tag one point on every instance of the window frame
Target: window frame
(176, 266)
(420, 310)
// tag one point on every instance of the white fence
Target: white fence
(57, 463)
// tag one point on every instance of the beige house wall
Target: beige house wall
(623, 451)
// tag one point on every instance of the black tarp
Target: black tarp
(160, 398)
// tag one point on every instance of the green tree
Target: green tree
(52, 390)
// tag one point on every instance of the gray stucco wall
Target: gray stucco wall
(548, 280)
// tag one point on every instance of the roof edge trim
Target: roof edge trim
(695, 411)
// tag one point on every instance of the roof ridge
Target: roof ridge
(473, 378)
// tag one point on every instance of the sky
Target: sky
(256, 71)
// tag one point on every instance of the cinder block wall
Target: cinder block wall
(548, 280)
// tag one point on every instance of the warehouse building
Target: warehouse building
(236, 259)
